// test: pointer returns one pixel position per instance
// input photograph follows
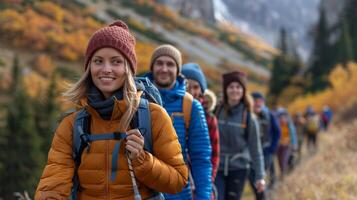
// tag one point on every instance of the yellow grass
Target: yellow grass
(330, 174)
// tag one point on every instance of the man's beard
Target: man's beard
(163, 85)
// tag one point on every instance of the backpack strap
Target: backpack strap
(187, 109)
(65, 114)
(144, 123)
(81, 125)
(246, 118)
(144, 126)
(81, 128)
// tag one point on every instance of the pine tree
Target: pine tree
(351, 19)
(344, 45)
(15, 75)
(276, 78)
(285, 66)
(283, 42)
(21, 155)
(46, 121)
(322, 56)
(278, 67)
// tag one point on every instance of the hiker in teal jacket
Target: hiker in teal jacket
(166, 68)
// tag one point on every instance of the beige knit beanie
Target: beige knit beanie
(167, 50)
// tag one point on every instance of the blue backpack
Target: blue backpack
(82, 137)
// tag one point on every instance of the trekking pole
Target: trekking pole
(137, 195)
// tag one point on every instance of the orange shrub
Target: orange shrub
(35, 84)
(143, 52)
(51, 10)
(255, 87)
(35, 31)
(11, 22)
(339, 96)
(68, 53)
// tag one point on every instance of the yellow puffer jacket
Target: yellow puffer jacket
(163, 171)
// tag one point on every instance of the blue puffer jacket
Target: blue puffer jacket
(198, 144)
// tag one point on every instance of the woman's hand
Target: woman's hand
(260, 184)
(134, 143)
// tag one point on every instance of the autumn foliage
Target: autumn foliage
(144, 51)
(56, 32)
(339, 96)
(48, 27)
(44, 65)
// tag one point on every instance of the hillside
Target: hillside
(60, 31)
(199, 40)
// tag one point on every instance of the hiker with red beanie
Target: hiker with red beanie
(239, 139)
(100, 151)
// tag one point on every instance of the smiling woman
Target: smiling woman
(108, 69)
(108, 96)
(239, 139)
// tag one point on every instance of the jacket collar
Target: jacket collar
(118, 110)
(169, 95)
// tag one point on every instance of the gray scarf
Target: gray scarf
(102, 105)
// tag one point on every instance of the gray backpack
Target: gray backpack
(82, 137)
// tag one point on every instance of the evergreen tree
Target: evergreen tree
(322, 55)
(283, 42)
(344, 45)
(46, 121)
(326, 54)
(21, 155)
(351, 19)
(285, 66)
(15, 75)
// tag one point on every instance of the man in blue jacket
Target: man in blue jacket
(166, 63)
(269, 136)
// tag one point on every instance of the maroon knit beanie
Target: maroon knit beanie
(116, 36)
(236, 76)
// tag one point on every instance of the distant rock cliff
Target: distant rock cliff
(262, 18)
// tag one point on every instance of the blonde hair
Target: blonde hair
(79, 90)
(249, 102)
(130, 98)
(213, 99)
